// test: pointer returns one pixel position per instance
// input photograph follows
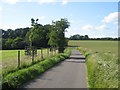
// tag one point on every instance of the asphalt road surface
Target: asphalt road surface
(71, 73)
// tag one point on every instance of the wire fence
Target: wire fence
(19, 57)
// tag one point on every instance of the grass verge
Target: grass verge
(102, 69)
(9, 64)
(15, 79)
(22, 66)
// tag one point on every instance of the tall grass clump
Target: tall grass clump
(23, 65)
(16, 79)
(102, 69)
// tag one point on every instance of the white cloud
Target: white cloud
(1, 8)
(12, 1)
(112, 17)
(64, 2)
(88, 27)
(102, 27)
(29, 0)
(41, 17)
(46, 1)
(92, 28)
(40, 1)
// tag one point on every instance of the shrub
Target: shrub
(15, 79)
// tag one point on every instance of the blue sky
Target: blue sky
(96, 19)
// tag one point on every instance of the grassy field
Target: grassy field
(9, 58)
(102, 62)
(97, 46)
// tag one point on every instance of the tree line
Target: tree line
(86, 37)
(38, 35)
(14, 39)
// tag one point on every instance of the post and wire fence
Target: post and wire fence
(30, 56)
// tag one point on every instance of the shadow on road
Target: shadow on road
(76, 54)
(77, 58)
(76, 61)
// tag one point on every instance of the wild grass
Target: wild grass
(102, 69)
(9, 59)
(16, 79)
(102, 62)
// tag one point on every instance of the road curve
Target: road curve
(70, 73)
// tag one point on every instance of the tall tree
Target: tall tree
(57, 34)
(35, 35)
(38, 34)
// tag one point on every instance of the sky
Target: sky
(93, 18)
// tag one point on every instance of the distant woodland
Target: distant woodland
(86, 37)
(37, 35)
(41, 36)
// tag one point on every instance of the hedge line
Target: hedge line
(16, 79)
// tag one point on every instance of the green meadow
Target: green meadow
(10, 58)
(97, 46)
(102, 62)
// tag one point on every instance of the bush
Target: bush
(15, 79)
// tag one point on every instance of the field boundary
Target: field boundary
(14, 80)
(44, 54)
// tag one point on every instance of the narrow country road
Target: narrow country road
(70, 73)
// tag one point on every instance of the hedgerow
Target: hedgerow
(16, 79)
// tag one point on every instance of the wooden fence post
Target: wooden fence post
(51, 51)
(41, 53)
(32, 56)
(18, 59)
(48, 51)
(56, 50)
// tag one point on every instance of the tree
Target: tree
(45, 33)
(4, 43)
(35, 35)
(57, 34)
(9, 44)
(86, 37)
(32, 21)
(78, 37)
(38, 34)
(75, 37)
(18, 43)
